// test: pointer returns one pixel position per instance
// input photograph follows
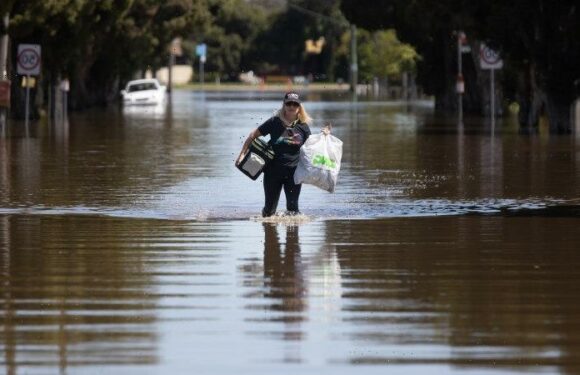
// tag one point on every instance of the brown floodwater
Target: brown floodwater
(130, 244)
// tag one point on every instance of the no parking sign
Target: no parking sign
(28, 59)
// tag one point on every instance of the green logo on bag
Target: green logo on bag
(321, 160)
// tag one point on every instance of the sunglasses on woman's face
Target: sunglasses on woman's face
(292, 104)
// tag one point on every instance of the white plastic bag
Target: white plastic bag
(319, 162)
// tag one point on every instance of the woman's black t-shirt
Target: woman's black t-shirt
(285, 140)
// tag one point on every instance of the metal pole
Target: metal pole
(459, 74)
(170, 72)
(492, 98)
(353, 60)
(27, 103)
(4, 50)
(201, 72)
(50, 99)
(64, 105)
(4, 65)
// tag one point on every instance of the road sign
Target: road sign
(489, 59)
(201, 49)
(65, 85)
(462, 41)
(28, 59)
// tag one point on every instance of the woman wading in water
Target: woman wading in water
(288, 130)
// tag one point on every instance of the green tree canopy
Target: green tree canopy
(96, 43)
(380, 54)
(234, 27)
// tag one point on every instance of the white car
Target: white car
(143, 91)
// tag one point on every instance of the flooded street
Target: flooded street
(130, 244)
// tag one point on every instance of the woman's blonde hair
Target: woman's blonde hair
(303, 116)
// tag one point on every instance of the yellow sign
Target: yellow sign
(315, 46)
(28, 81)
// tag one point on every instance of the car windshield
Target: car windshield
(142, 87)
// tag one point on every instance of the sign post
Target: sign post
(4, 82)
(65, 88)
(201, 51)
(462, 47)
(28, 64)
(4, 103)
(490, 60)
(353, 60)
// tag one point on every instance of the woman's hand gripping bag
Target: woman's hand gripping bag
(319, 162)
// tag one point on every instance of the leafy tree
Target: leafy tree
(234, 27)
(380, 54)
(99, 43)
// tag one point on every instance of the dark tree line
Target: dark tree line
(99, 45)
(539, 41)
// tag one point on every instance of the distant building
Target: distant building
(182, 74)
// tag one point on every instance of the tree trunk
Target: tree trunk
(558, 111)
(445, 72)
(535, 101)
(531, 100)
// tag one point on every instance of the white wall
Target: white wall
(182, 74)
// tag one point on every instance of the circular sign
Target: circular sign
(489, 59)
(28, 60)
(489, 56)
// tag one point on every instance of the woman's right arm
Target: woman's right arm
(253, 135)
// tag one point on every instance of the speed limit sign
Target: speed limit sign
(28, 59)
(489, 59)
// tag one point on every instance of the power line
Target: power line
(318, 15)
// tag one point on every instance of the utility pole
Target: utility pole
(353, 59)
(4, 48)
(460, 81)
(170, 72)
(174, 50)
(4, 66)
(462, 47)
